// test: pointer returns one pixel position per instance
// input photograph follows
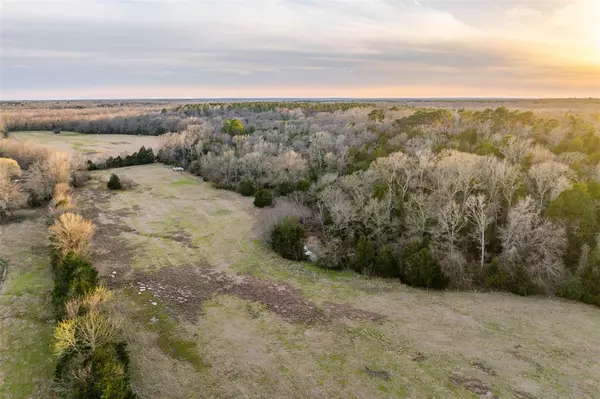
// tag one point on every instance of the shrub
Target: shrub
(114, 183)
(364, 256)
(496, 277)
(11, 167)
(386, 263)
(521, 283)
(34, 200)
(287, 239)
(590, 279)
(419, 267)
(80, 178)
(74, 277)
(25, 153)
(127, 183)
(49, 172)
(61, 190)
(10, 194)
(572, 288)
(71, 233)
(517, 281)
(264, 197)
(247, 188)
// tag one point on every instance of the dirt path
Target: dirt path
(26, 319)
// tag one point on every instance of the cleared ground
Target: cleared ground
(211, 312)
(26, 317)
(92, 146)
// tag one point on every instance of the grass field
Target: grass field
(92, 146)
(26, 317)
(211, 312)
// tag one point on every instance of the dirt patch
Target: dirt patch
(182, 289)
(181, 237)
(281, 299)
(472, 384)
(384, 375)
(522, 395)
(344, 310)
(483, 367)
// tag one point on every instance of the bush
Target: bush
(101, 373)
(11, 167)
(287, 239)
(247, 188)
(34, 200)
(386, 263)
(521, 283)
(572, 288)
(71, 233)
(517, 281)
(74, 276)
(10, 194)
(496, 277)
(590, 280)
(364, 256)
(80, 179)
(114, 183)
(419, 267)
(264, 197)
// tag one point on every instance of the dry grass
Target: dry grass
(25, 152)
(419, 337)
(10, 193)
(11, 167)
(71, 233)
(49, 172)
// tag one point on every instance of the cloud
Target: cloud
(522, 12)
(342, 45)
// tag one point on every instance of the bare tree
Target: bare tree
(530, 240)
(547, 180)
(446, 238)
(480, 214)
(516, 148)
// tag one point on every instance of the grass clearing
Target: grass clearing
(233, 319)
(93, 146)
(26, 317)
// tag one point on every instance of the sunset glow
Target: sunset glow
(261, 48)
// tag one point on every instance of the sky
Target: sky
(71, 49)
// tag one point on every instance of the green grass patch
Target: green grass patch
(168, 340)
(184, 182)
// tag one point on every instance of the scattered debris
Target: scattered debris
(473, 385)
(486, 369)
(340, 310)
(384, 375)
(522, 394)
(309, 254)
(154, 319)
(178, 169)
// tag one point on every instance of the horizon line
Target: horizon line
(451, 98)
